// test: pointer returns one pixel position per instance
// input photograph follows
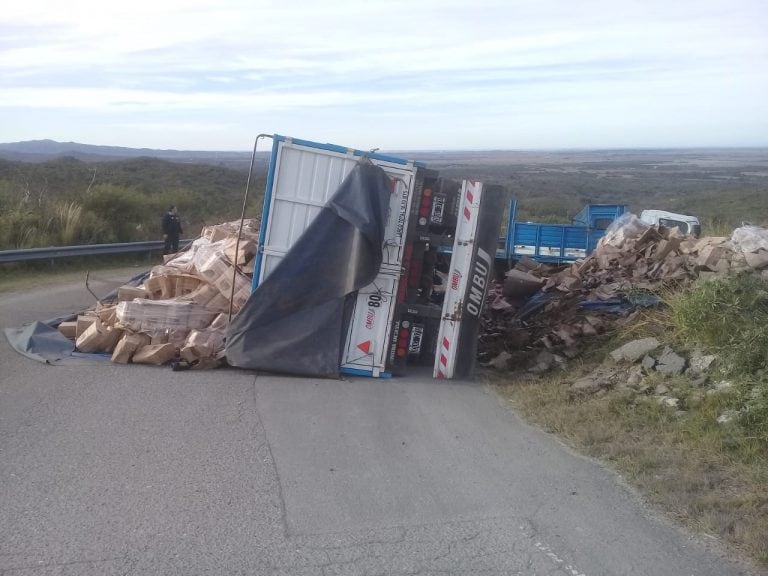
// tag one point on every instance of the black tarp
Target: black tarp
(296, 320)
(41, 341)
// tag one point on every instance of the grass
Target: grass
(710, 476)
(711, 479)
(17, 277)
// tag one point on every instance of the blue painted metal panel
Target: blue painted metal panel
(367, 373)
(265, 211)
(557, 242)
(343, 150)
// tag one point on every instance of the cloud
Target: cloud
(508, 57)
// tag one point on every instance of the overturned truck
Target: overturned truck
(367, 264)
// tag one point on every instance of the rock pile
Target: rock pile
(644, 368)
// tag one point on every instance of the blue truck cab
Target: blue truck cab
(558, 243)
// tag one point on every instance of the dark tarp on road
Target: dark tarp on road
(41, 341)
(296, 320)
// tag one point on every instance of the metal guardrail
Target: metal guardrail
(54, 252)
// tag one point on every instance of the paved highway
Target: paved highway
(133, 470)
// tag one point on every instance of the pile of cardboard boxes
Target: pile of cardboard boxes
(181, 311)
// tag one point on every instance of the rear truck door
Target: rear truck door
(302, 176)
(471, 271)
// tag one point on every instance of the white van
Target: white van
(685, 223)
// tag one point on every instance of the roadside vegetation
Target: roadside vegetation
(68, 201)
(705, 462)
(27, 276)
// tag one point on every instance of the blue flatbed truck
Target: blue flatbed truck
(557, 243)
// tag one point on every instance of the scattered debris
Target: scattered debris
(556, 308)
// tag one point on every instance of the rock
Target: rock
(700, 362)
(521, 284)
(543, 362)
(644, 387)
(648, 363)
(633, 351)
(726, 417)
(670, 363)
(661, 389)
(602, 378)
(501, 362)
(667, 401)
(724, 385)
(561, 362)
(635, 376)
(699, 381)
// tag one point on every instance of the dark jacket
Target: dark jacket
(171, 225)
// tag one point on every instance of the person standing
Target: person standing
(171, 230)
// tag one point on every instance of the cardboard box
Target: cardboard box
(156, 287)
(245, 251)
(218, 303)
(214, 267)
(204, 294)
(107, 314)
(709, 256)
(68, 329)
(128, 345)
(155, 354)
(152, 315)
(83, 322)
(98, 338)
(186, 284)
(224, 284)
(127, 293)
(159, 337)
(213, 339)
(193, 354)
(216, 233)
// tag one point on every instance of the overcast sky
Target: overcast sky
(416, 74)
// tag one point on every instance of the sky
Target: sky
(396, 75)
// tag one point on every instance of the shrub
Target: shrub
(729, 316)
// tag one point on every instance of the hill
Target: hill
(42, 150)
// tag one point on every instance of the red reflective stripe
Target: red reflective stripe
(443, 360)
(467, 213)
(470, 197)
(446, 343)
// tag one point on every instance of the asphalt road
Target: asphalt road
(132, 470)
